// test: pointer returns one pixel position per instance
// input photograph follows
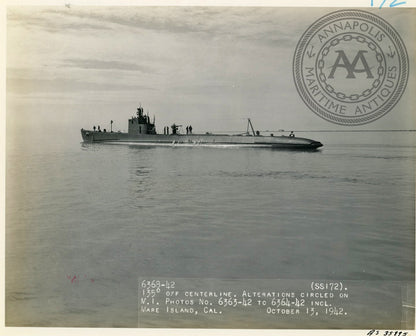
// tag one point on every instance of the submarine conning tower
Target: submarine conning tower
(141, 123)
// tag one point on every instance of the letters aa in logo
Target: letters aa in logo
(350, 67)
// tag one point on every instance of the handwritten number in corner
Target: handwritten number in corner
(394, 3)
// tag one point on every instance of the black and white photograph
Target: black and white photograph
(210, 167)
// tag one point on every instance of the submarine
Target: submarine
(141, 130)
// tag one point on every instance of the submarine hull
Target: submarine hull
(283, 142)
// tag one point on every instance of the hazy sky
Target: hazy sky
(206, 66)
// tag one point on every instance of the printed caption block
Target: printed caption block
(277, 304)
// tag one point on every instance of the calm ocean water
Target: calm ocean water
(108, 214)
